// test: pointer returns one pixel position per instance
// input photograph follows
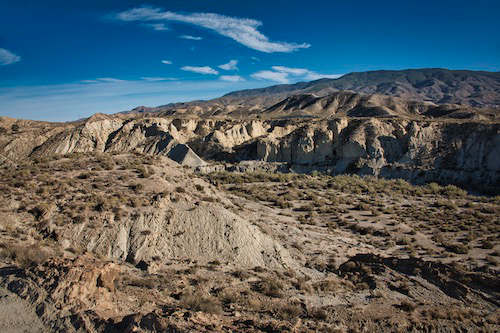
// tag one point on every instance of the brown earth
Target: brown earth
(285, 252)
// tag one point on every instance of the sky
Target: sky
(66, 60)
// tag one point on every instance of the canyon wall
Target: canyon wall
(417, 150)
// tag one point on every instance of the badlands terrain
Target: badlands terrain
(369, 203)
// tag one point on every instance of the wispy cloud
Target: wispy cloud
(230, 66)
(271, 76)
(158, 26)
(282, 74)
(156, 79)
(103, 79)
(109, 79)
(8, 58)
(291, 71)
(200, 70)
(232, 78)
(243, 30)
(305, 73)
(190, 37)
(166, 62)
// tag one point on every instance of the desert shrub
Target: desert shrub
(317, 314)
(84, 175)
(282, 203)
(106, 162)
(143, 172)
(453, 191)
(242, 275)
(286, 310)
(487, 245)
(363, 206)
(456, 248)
(491, 260)
(141, 282)
(199, 302)
(208, 199)
(446, 204)
(407, 306)
(326, 286)
(25, 256)
(42, 211)
(403, 241)
(269, 287)
(228, 296)
(433, 188)
(180, 189)
(137, 187)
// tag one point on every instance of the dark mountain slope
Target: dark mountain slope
(436, 85)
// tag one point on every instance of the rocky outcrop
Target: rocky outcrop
(180, 229)
(60, 288)
(424, 151)
(418, 150)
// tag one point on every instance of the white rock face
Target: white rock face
(444, 151)
(179, 229)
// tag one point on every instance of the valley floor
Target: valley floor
(136, 243)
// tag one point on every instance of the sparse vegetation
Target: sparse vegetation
(321, 222)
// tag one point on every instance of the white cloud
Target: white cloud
(284, 74)
(166, 62)
(109, 79)
(232, 78)
(291, 71)
(158, 26)
(200, 70)
(230, 66)
(244, 31)
(156, 79)
(317, 76)
(271, 76)
(7, 57)
(190, 37)
(103, 80)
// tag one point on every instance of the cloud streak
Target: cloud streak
(103, 79)
(156, 79)
(283, 74)
(271, 76)
(231, 78)
(166, 62)
(188, 37)
(242, 30)
(8, 58)
(158, 26)
(200, 70)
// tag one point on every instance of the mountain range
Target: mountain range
(440, 86)
(426, 92)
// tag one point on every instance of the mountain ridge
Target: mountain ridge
(474, 88)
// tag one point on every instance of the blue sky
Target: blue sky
(64, 60)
